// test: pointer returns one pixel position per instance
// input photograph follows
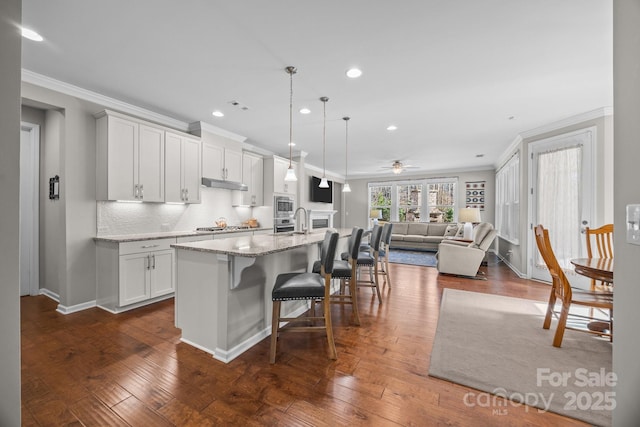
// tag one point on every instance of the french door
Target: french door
(561, 199)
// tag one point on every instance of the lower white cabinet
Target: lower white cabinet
(132, 274)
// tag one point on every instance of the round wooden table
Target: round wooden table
(595, 268)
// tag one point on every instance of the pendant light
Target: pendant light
(323, 182)
(346, 188)
(291, 173)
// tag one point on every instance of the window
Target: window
(411, 200)
(380, 199)
(442, 196)
(508, 200)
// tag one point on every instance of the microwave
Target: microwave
(283, 206)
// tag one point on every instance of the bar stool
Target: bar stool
(370, 259)
(346, 271)
(385, 241)
(306, 286)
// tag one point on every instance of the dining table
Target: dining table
(595, 268)
(598, 269)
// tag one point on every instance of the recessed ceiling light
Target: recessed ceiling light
(31, 35)
(392, 127)
(479, 155)
(511, 117)
(304, 111)
(354, 73)
(218, 113)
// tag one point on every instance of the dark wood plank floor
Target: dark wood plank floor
(94, 368)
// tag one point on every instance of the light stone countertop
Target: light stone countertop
(169, 234)
(263, 244)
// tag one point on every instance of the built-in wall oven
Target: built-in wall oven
(283, 207)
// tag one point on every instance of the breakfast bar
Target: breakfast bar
(223, 287)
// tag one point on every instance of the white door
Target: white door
(233, 165)
(162, 272)
(151, 164)
(29, 209)
(562, 183)
(192, 177)
(134, 278)
(123, 159)
(173, 190)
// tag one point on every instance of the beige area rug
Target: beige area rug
(496, 345)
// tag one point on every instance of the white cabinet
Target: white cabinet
(280, 167)
(221, 163)
(253, 177)
(182, 169)
(130, 159)
(132, 274)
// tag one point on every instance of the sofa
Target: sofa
(422, 235)
(464, 258)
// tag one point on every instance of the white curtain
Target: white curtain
(559, 204)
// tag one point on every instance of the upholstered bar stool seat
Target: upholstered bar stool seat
(297, 286)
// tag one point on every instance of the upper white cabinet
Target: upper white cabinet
(130, 159)
(221, 163)
(182, 168)
(280, 167)
(253, 177)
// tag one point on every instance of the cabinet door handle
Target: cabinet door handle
(141, 191)
(154, 261)
(135, 191)
(186, 194)
(148, 262)
(149, 246)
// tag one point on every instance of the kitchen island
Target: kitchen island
(223, 289)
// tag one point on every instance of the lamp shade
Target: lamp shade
(375, 213)
(469, 215)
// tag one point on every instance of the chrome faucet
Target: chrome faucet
(305, 229)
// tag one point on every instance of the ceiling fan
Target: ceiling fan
(398, 167)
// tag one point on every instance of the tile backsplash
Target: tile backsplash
(116, 218)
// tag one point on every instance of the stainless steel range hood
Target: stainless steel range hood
(228, 185)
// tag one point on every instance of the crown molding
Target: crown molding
(106, 101)
(510, 150)
(199, 126)
(425, 174)
(569, 121)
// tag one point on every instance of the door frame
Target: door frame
(34, 163)
(589, 155)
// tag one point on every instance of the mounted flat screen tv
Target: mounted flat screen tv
(321, 195)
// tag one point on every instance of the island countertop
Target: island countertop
(255, 246)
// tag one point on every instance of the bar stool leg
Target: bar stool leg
(275, 324)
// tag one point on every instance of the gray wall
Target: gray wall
(356, 202)
(626, 63)
(69, 248)
(10, 63)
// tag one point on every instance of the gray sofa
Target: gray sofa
(422, 235)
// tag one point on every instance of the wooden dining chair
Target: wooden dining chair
(602, 239)
(562, 291)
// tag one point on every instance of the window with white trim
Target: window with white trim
(508, 200)
(425, 200)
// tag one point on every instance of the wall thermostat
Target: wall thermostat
(633, 224)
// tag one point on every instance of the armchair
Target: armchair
(462, 258)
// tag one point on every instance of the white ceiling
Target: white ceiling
(448, 73)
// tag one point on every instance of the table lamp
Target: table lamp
(468, 216)
(375, 215)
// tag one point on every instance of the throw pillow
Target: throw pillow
(451, 230)
(460, 232)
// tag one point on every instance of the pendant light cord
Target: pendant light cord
(346, 147)
(324, 131)
(291, 72)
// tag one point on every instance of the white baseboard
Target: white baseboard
(47, 293)
(512, 267)
(75, 308)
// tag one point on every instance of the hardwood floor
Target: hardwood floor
(94, 368)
